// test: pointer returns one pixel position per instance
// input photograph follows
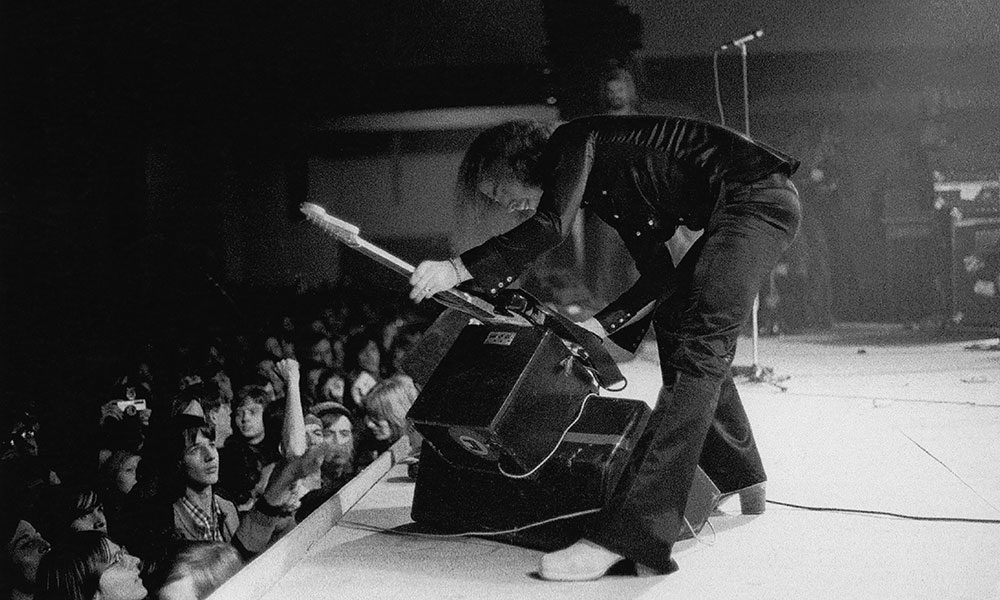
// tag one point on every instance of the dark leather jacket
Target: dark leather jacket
(643, 176)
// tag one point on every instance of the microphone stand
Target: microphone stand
(755, 373)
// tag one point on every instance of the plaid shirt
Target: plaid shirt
(194, 523)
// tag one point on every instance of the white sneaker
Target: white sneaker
(583, 561)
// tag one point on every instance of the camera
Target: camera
(131, 405)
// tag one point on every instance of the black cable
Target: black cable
(884, 513)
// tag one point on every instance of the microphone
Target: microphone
(743, 40)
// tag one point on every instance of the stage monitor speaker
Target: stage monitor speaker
(580, 476)
(501, 392)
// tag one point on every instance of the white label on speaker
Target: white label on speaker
(474, 445)
(499, 338)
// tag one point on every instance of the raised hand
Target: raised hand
(288, 368)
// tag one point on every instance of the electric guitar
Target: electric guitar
(457, 298)
(511, 307)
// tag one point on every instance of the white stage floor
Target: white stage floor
(874, 417)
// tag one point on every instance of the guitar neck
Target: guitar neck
(383, 258)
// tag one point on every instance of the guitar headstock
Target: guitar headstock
(342, 230)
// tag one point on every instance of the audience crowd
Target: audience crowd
(208, 447)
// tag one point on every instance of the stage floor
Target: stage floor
(881, 418)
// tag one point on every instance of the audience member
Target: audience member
(218, 411)
(338, 445)
(24, 469)
(68, 508)
(185, 459)
(115, 479)
(311, 373)
(318, 348)
(196, 569)
(248, 450)
(402, 343)
(200, 514)
(385, 408)
(330, 387)
(86, 566)
(363, 352)
(25, 548)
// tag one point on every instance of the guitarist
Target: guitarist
(645, 176)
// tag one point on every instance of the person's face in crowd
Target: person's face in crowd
(322, 353)
(120, 579)
(369, 357)
(273, 347)
(314, 434)
(125, 478)
(380, 428)
(399, 351)
(619, 91)
(216, 355)
(510, 192)
(338, 353)
(318, 326)
(249, 419)
(25, 549)
(225, 386)
(339, 437)
(397, 357)
(25, 438)
(311, 379)
(187, 381)
(145, 371)
(201, 462)
(390, 331)
(333, 389)
(92, 521)
(222, 418)
(340, 432)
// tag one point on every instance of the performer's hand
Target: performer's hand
(431, 277)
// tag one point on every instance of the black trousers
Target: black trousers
(698, 418)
